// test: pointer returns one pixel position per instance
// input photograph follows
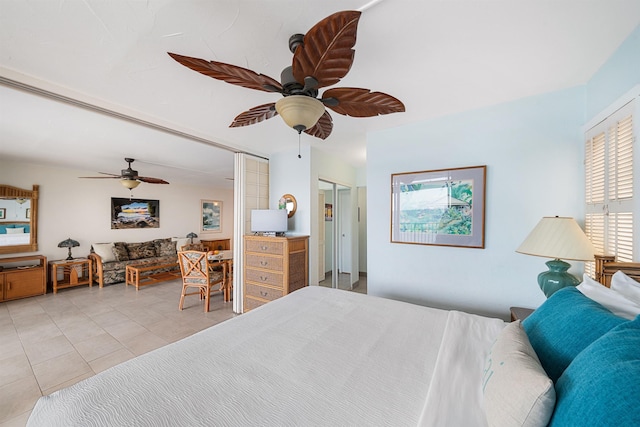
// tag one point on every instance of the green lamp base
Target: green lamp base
(556, 278)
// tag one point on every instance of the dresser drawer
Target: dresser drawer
(265, 247)
(264, 277)
(251, 303)
(268, 262)
(262, 292)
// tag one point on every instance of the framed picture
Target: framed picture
(328, 212)
(28, 213)
(211, 214)
(134, 213)
(443, 207)
(3, 213)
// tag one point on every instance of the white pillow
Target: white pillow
(15, 230)
(628, 287)
(105, 250)
(615, 301)
(517, 390)
(180, 242)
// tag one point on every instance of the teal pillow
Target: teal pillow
(601, 387)
(564, 325)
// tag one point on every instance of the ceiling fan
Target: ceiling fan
(320, 58)
(129, 177)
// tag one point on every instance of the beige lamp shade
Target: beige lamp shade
(130, 183)
(300, 112)
(560, 238)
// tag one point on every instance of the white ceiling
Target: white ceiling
(438, 57)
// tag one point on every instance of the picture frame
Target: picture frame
(210, 216)
(28, 213)
(444, 207)
(328, 212)
(134, 213)
(3, 213)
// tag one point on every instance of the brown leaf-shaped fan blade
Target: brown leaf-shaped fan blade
(255, 115)
(149, 180)
(326, 53)
(357, 102)
(102, 177)
(229, 73)
(323, 128)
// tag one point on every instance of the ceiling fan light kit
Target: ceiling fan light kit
(300, 112)
(129, 183)
(321, 57)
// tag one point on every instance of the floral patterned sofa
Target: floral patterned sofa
(110, 260)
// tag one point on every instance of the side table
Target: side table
(69, 273)
(520, 313)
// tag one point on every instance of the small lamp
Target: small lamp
(557, 237)
(130, 183)
(69, 243)
(191, 236)
(300, 112)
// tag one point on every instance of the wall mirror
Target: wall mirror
(290, 204)
(18, 219)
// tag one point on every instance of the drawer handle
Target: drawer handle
(264, 294)
(264, 248)
(264, 263)
(263, 278)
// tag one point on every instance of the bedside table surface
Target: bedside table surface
(520, 313)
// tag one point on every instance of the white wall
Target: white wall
(533, 152)
(289, 174)
(81, 208)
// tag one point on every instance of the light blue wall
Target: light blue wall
(619, 74)
(533, 151)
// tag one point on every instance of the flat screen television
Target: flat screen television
(269, 221)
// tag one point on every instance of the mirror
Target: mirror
(289, 203)
(18, 219)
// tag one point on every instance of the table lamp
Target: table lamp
(69, 243)
(191, 236)
(557, 238)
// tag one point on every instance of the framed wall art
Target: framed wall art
(134, 213)
(211, 216)
(3, 213)
(443, 207)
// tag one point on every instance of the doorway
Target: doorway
(335, 236)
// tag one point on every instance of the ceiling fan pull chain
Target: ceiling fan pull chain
(299, 156)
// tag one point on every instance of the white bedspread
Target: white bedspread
(15, 239)
(316, 357)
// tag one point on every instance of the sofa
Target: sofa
(110, 260)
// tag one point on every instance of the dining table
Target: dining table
(223, 260)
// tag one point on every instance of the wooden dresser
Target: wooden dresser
(22, 277)
(273, 267)
(220, 244)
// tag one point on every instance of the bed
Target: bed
(15, 233)
(329, 357)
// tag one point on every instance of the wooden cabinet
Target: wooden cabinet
(214, 245)
(274, 267)
(22, 277)
(68, 273)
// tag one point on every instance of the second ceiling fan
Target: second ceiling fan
(321, 58)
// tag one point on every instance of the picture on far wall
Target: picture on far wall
(3, 213)
(440, 207)
(328, 212)
(134, 213)
(211, 214)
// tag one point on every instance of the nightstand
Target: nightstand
(520, 313)
(69, 273)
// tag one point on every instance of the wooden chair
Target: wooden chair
(196, 274)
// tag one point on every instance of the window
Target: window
(609, 185)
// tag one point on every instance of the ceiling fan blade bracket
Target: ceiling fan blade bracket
(330, 102)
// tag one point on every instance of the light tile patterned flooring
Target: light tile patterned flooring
(53, 341)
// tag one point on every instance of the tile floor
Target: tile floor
(344, 282)
(53, 341)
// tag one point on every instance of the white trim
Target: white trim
(612, 108)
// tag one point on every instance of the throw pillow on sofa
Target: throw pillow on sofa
(120, 251)
(141, 250)
(105, 251)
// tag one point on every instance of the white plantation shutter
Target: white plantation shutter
(609, 186)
